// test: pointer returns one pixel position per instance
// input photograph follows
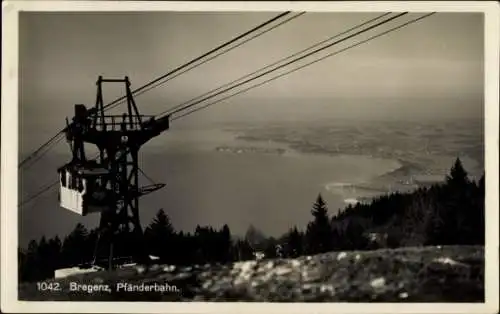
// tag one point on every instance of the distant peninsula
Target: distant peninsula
(250, 149)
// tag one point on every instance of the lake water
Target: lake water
(207, 187)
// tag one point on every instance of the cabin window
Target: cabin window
(63, 178)
(68, 179)
(79, 185)
(73, 183)
(85, 183)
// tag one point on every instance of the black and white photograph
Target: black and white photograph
(278, 155)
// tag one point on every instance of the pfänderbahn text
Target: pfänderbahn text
(146, 287)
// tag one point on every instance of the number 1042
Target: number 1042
(51, 286)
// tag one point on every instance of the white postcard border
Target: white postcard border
(9, 157)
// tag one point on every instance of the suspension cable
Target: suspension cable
(277, 62)
(38, 150)
(256, 28)
(159, 83)
(202, 56)
(40, 154)
(305, 65)
(285, 64)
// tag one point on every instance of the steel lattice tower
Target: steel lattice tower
(118, 139)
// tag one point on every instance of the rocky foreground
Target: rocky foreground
(430, 274)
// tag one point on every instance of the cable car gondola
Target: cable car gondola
(82, 189)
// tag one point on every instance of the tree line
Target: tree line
(447, 213)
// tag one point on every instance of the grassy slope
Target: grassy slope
(407, 275)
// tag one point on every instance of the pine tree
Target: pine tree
(294, 240)
(21, 265)
(458, 177)
(319, 231)
(43, 255)
(159, 235)
(243, 250)
(255, 237)
(73, 253)
(459, 205)
(161, 223)
(270, 248)
(226, 244)
(481, 185)
(31, 272)
(338, 235)
(354, 234)
(476, 216)
(451, 218)
(54, 252)
(32, 249)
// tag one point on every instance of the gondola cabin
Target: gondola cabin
(82, 190)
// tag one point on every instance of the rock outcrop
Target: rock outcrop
(420, 274)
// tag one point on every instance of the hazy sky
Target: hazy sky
(431, 68)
